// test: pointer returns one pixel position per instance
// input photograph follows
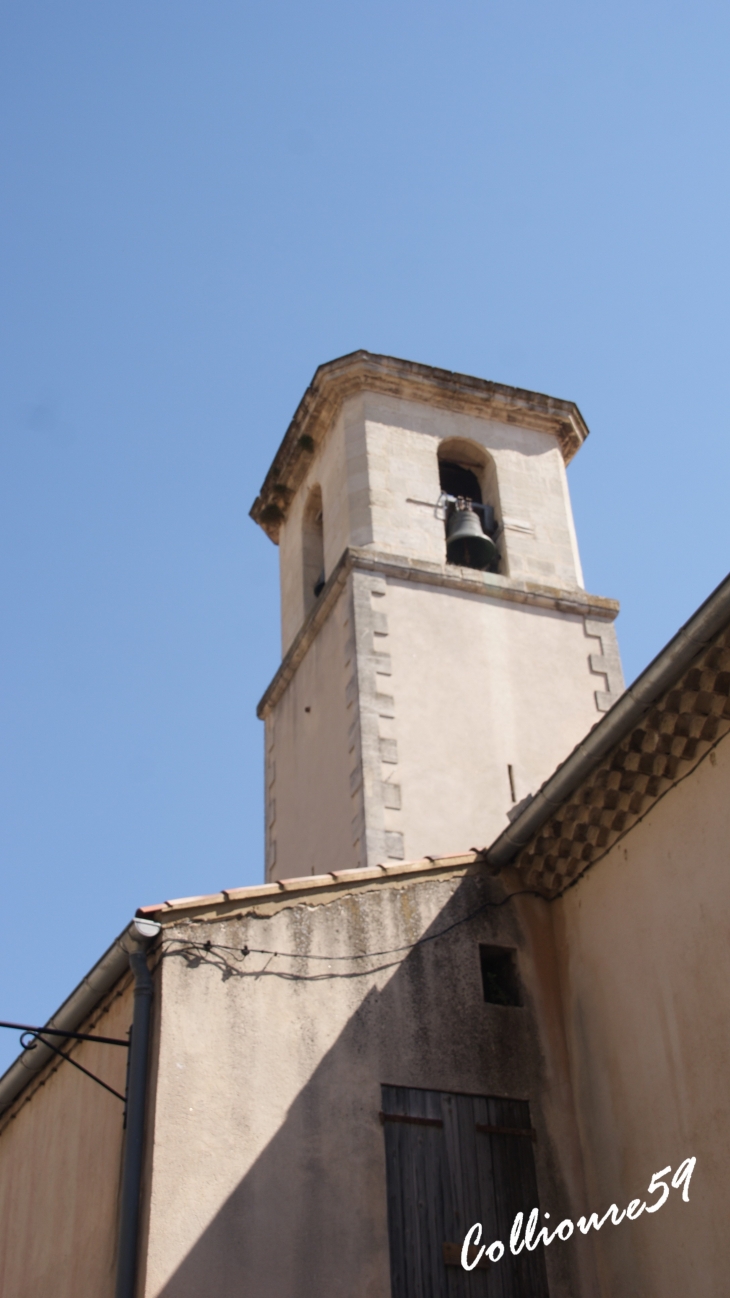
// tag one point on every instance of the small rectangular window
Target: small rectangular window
(499, 975)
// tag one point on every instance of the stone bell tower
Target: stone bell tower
(420, 701)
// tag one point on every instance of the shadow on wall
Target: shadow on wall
(309, 1218)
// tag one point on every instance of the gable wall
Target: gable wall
(268, 1168)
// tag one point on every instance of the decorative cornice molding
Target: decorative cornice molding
(659, 729)
(674, 736)
(400, 568)
(362, 371)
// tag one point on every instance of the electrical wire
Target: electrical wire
(247, 950)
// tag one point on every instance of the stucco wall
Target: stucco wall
(328, 471)
(308, 804)
(478, 685)
(645, 962)
(403, 438)
(401, 747)
(394, 735)
(268, 1166)
(60, 1173)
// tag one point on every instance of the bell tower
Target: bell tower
(440, 655)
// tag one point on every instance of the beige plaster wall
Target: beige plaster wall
(328, 471)
(478, 684)
(308, 803)
(403, 438)
(60, 1173)
(645, 965)
(268, 1172)
(394, 737)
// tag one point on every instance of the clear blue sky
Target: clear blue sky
(200, 203)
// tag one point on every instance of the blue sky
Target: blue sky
(202, 202)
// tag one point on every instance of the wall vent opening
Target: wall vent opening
(499, 975)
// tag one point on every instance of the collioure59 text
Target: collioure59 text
(472, 1254)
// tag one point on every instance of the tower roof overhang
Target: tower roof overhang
(361, 371)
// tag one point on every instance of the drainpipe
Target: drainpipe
(144, 932)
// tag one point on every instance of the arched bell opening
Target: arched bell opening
(470, 520)
(458, 481)
(313, 549)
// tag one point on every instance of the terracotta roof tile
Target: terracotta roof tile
(309, 882)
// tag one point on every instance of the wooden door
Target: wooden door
(453, 1160)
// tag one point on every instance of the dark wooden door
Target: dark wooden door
(453, 1160)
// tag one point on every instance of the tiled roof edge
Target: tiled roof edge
(695, 637)
(285, 888)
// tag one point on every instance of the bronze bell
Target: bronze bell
(466, 543)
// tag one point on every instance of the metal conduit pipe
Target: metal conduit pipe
(135, 1122)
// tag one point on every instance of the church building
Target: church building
(469, 1037)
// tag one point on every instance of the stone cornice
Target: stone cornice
(400, 568)
(334, 382)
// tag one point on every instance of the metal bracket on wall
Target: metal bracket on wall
(39, 1034)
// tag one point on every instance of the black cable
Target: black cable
(362, 955)
(365, 971)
